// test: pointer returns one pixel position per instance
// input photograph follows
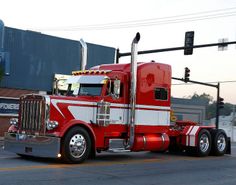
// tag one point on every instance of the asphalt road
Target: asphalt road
(144, 168)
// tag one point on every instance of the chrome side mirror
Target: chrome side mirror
(116, 88)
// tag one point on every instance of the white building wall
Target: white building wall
(226, 123)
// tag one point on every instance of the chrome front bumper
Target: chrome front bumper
(38, 146)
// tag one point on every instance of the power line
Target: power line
(198, 16)
(229, 81)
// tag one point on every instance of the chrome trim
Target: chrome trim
(144, 142)
(77, 146)
(204, 143)
(14, 121)
(103, 113)
(85, 79)
(47, 112)
(51, 125)
(221, 142)
(39, 146)
(134, 54)
(163, 141)
(84, 51)
(34, 113)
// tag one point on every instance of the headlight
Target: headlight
(52, 124)
(14, 121)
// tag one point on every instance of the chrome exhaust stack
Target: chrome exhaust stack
(83, 63)
(84, 51)
(133, 87)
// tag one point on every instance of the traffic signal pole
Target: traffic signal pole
(217, 105)
(174, 49)
(188, 50)
(196, 82)
(218, 99)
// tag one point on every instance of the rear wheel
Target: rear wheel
(219, 142)
(76, 145)
(204, 143)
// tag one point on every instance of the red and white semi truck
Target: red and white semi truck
(129, 103)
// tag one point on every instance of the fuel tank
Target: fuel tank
(151, 142)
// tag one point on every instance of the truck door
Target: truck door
(118, 108)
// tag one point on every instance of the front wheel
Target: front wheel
(76, 145)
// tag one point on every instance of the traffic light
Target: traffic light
(186, 74)
(221, 103)
(188, 43)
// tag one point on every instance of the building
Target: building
(228, 124)
(187, 109)
(30, 60)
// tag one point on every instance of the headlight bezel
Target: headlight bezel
(51, 124)
(14, 121)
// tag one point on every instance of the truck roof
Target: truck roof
(126, 67)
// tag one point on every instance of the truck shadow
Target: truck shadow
(110, 158)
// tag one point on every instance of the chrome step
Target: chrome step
(118, 150)
(117, 146)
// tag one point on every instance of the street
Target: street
(121, 168)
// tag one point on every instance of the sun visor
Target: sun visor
(84, 79)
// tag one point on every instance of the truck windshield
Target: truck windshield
(90, 89)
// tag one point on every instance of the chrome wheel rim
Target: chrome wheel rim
(77, 145)
(221, 143)
(204, 143)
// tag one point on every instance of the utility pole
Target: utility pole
(233, 121)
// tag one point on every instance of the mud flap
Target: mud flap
(228, 150)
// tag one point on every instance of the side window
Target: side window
(161, 93)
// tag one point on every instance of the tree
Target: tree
(211, 105)
(203, 97)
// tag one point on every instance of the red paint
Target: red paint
(147, 137)
(151, 142)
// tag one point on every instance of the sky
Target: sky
(161, 23)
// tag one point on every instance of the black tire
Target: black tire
(76, 145)
(204, 143)
(219, 142)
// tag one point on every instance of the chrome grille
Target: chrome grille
(32, 113)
